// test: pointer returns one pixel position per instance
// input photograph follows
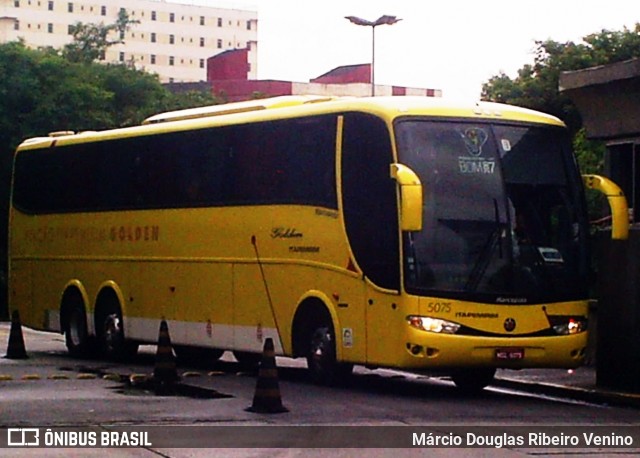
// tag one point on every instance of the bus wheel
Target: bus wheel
(76, 334)
(114, 346)
(247, 359)
(473, 380)
(321, 359)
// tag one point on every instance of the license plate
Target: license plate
(509, 353)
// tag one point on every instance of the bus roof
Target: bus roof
(293, 106)
(236, 107)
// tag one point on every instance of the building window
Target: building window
(50, 5)
(16, 25)
(153, 15)
(50, 28)
(172, 17)
(201, 20)
(103, 10)
(103, 55)
(219, 22)
(248, 25)
(153, 37)
(70, 29)
(201, 63)
(172, 39)
(201, 42)
(121, 57)
(70, 7)
(122, 34)
(219, 44)
(16, 3)
(171, 59)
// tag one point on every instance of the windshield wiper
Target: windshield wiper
(486, 254)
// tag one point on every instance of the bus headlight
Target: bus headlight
(570, 327)
(429, 324)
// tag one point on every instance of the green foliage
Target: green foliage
(590, 157)
(589, 153)
(536, 85)
(41, 91)
(187, 99)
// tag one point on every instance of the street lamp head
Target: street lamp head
(359, 21)
(389, 20)
(386, 19)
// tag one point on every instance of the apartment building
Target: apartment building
(173, 40)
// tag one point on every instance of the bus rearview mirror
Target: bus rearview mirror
(617, 204)
(410, 197)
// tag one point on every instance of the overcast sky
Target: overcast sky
(453, 45)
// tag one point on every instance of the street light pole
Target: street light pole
(386, 19)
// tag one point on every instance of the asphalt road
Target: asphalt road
(52, 391)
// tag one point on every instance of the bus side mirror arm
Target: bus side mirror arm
(617, 203)
(410, 197)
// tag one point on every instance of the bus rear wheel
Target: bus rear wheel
(112, 341)
(323, 367)
(473, 380)
(76, 333)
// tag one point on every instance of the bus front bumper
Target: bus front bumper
(455, 351)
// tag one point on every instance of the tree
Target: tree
(91, 41)
(536, 85)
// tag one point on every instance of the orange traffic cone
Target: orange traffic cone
(267, 396)
(165, 373)
(15, 348)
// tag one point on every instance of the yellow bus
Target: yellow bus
(394, 232)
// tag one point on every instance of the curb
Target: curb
(595, 396)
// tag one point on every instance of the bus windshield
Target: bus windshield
(502, 220)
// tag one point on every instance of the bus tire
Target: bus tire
(113, 344)
(76, 333)
(473, 380)
(248, 360)
(324, 369)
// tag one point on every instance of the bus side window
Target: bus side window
(311, 160)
